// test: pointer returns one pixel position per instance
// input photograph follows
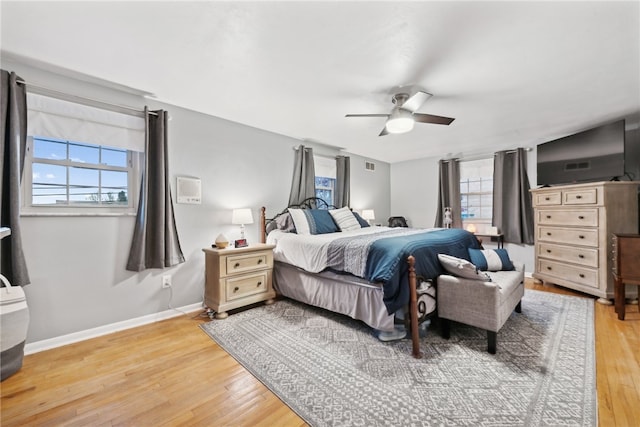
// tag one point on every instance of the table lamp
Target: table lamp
(241, 217)
(368, 215)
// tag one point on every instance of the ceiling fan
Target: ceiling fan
(403, 115)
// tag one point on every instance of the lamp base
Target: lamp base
(241, 243)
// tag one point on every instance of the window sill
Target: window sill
(76, 214)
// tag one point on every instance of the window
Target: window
(67, 174)
(325, 188)
(476, 193)
(325, 169)
(80, 159)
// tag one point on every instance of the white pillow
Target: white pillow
(300, 221)
(462, 268)
(345, 219)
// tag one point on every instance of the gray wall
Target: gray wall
(77, 263)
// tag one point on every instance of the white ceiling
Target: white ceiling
(511, 73)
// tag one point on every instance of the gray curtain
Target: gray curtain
(155, 241)
(449, 192)
(342, 196)
(303, 184)
(512, 208)
(13, 120)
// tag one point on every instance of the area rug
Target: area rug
(333, 371)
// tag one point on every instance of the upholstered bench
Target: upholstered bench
(476, 301)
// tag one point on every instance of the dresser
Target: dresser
(237, 277)
(574, 225)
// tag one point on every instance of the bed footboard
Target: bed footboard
(413, 308)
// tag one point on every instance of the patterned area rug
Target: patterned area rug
(332, 371)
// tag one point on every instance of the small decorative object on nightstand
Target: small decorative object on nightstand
(237, 277)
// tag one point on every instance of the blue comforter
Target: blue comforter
(386, 258)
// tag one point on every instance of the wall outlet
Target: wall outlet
(166, 281)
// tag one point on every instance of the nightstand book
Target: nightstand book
(237, 277)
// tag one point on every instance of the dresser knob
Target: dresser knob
(578, 197)
(581, 276)
(581, 256)
(547, 198)
(236, 289)
(580, 217)
(548, 233)
(548, 251)
(237, 265)
(582, 237)
(549, 268)
(548, 216)
(260, 261)
(259, 284)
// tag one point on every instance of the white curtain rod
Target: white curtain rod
(90, 101)
(483, 156)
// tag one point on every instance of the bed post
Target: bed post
(413, 308)
(263, 221)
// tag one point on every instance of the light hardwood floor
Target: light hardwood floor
(172, 373)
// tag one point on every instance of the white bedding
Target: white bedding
(310, 252)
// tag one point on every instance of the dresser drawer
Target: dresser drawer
(585, 196)
(581, 217)
(568, 235)
(581, 275)
(577, 255)
(240, 287)
(548, 199)
(250, 262)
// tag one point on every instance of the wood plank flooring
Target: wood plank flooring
(171, 373)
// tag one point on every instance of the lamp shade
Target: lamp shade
(242, 216)
(400, 121)
(368, 214)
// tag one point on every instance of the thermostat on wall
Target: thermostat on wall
(189, 190)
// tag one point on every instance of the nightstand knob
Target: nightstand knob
(582, 237)
(236, 265)
(259, 284)
(548, 216)
(580, 217)
(548, 268)
(548, 251)
(236, 289)
(581, 276)
(260, 261)
(581, 256)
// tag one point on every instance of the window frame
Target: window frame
(133, 168)
(480, 223)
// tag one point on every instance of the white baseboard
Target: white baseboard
(35, 347)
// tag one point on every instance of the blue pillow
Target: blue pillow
(313, 221)
(491, 259)
(363, 222)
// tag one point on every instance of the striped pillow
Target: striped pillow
(313, 221)
(345, 219)
(491, 259)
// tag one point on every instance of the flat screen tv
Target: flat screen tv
(593, 155)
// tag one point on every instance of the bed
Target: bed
(367, 273)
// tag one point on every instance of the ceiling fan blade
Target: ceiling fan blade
(429, 118)
(366, 115)
(416, 100)
(384, 131)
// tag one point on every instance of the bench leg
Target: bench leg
(492, 337)
(519, 307)
(445, 328)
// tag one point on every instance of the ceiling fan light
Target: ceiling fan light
(400, 121)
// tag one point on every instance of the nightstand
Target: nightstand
(237, 277)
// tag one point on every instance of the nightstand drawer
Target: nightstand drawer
(240, 287)
(244, 263)
(581, 218)
(569, 236)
